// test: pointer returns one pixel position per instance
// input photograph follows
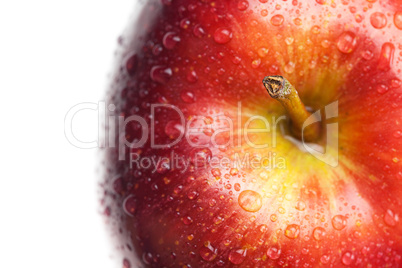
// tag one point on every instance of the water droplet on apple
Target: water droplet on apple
(157, 50)
(187, 220)
(391, 218)
(263, 228)
(359, 18)
(264, 12)
(365, 250)
(208, 131)
(395, 83)
(324, 259)
(378, 20)
(178, 189)
(131, 65)
(357, 234)
(339, 222)
(216, 172)
(192, 195)
(292, 231)
(236, 60)
(289, 67)
(192, 77)
(234, 171)
(107, 212)
(312, 64)
(277, 20)
(223, 35)
(398, 19)
(263, 1)
(281, 210)
(348, 258)
(289, 40)
(198, 31)
(187, 96)
(126, 263)
(300, 205)
(212, 202)
(255, 63)
(208, 253)
(154, 186)
(273, 253)
(382, 89)
(367, 55)
(346, 42)
(221, 71)
(273, 217)
(386, 56)
(147, 258)
(319, 233)
(170, 39)
(161, 74)
(316, 29)
(250, 201)
(237, 187)
(200, 157)
(118, 186)
(242, 5)
(273, 68)
(264, 175)
(130, 205)
(297, 21)
(185, 23)
(237, 256)
(321, 2)
(161, 99)
(262, 52)
(174, 129)
(398, 134)
(163, 166)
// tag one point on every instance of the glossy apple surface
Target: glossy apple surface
(208, 58)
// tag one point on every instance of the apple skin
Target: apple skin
(204, 57)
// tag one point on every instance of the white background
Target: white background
(53, 55)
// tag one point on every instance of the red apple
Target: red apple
(189, 98)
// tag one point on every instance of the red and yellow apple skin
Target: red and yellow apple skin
(205, 57)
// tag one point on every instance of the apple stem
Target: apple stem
(280, 89)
